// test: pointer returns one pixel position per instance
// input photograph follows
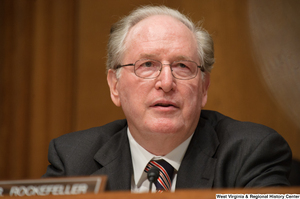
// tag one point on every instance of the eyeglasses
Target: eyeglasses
(150, 69)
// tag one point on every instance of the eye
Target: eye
(182, 65)
(147, 64)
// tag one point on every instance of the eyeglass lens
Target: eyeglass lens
(147, 68)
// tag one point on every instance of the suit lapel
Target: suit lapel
(198, 165)
(115, 157)
(196, 171)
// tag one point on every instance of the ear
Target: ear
(205, 86)
(112, 81)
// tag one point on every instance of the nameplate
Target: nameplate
(53, 186)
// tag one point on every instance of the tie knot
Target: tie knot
(166, 172)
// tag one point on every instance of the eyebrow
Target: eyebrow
(178, 58)
(148, 56)
(154, 56)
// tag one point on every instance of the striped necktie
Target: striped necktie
(166, 171)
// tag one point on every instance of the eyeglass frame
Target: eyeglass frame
(161, 66)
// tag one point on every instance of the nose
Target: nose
(165, 80)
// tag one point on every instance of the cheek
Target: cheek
(133, 91)
(193, 98)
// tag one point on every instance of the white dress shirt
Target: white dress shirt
(141, 157)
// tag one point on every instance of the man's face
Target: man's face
(162, 107)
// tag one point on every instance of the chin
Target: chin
(166, 127)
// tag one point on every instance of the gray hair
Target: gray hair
(119, 31)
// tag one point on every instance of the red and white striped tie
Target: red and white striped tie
(166, 172)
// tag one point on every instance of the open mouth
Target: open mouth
(164, 105)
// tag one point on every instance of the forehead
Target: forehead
(161, 35)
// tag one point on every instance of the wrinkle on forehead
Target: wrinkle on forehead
(163, 34)
(168, 28)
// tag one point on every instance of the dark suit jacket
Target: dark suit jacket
(222, 153)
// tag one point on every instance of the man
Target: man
(158, 71)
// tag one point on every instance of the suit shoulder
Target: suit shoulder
(248, 154)
(226, 127)
(73, 153)
(96, 135)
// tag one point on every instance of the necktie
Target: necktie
(166, 171)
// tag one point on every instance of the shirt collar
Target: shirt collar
(141, 157)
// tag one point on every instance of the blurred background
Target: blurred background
(53, 81)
